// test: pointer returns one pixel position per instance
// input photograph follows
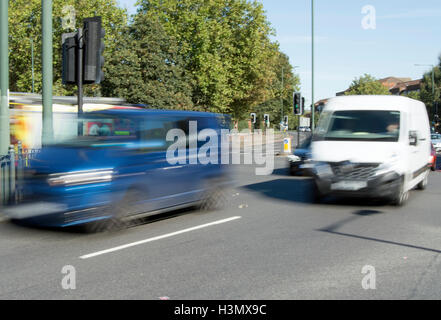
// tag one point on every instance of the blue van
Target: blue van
(120, 168)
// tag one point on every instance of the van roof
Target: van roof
(137, 111)
(372, 102)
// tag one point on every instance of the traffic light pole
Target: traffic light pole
(4, 78)
(80, 78)
(47, 62)
(312, 70)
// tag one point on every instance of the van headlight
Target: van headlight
(391, 165)
(323, 169)
(77, 178)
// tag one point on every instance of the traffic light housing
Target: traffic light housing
(93, 50)
(253, 118)
(266, 119)
(298, 105)
(69, 59)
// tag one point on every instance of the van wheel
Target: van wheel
(214, 197)
(423, 184)
(401, 197)
(119, 211)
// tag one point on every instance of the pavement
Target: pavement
(268, 242)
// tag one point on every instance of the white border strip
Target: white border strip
(129, 245)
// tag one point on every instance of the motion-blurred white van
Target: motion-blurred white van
(371, 146)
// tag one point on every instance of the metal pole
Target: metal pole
(47, 134)
(312, 70)
(80, 78)
(33, 64)
(4, 78)
(281, 98)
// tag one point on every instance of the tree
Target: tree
(226, 48)
(367, 85)
(25, 24)
(426, 93)
(146, 68)
(275, 93)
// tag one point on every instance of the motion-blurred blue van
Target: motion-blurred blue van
(118, 168)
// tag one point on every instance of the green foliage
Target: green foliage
(426, 93)
(367, 85)
(414, 95)
(146, 68)
(25, 24)
(226, 48)
(276, 95)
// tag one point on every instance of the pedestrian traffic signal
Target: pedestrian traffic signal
(298, 107)
(69, 59)
(266, 119)
(93, 50)
(253, 118)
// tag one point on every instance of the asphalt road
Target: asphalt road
(269, 242)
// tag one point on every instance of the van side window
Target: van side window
(153, 133)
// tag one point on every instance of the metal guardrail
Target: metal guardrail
(12, 167)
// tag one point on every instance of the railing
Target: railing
(12, 167)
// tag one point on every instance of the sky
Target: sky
(405, 33)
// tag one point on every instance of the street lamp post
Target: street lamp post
(312, 70)
(4, 78)
(47, 134)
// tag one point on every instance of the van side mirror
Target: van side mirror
(413, 138)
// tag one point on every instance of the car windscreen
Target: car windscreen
(359, 125)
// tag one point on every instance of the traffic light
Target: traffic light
(298, 106)
(285, 120)
(253, 118)
(93, 50)
(69, 56)
(266, 119)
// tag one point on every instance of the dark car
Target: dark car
(301, 155)
(124, 165)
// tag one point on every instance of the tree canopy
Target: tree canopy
(426, 93)
(367, 85)
(146, 68)
(226, 47)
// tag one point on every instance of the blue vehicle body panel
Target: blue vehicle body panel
(136, 164)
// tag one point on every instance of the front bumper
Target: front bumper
(383, 186)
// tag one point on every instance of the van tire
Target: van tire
(214, 196)
(423, 184)
(401, 197)
(119, 211)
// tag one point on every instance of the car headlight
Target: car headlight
(77, 178)
(390, 165)
(323, 169)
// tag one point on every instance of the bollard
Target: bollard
(11, 174)
(287, 149)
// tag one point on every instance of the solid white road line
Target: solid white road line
(129, 245)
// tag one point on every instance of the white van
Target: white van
(371, 146)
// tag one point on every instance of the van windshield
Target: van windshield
(359, 125)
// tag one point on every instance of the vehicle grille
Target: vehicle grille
(354, 171)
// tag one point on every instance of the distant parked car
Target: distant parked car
(301, 155)
(436, 141)
(304, 129)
